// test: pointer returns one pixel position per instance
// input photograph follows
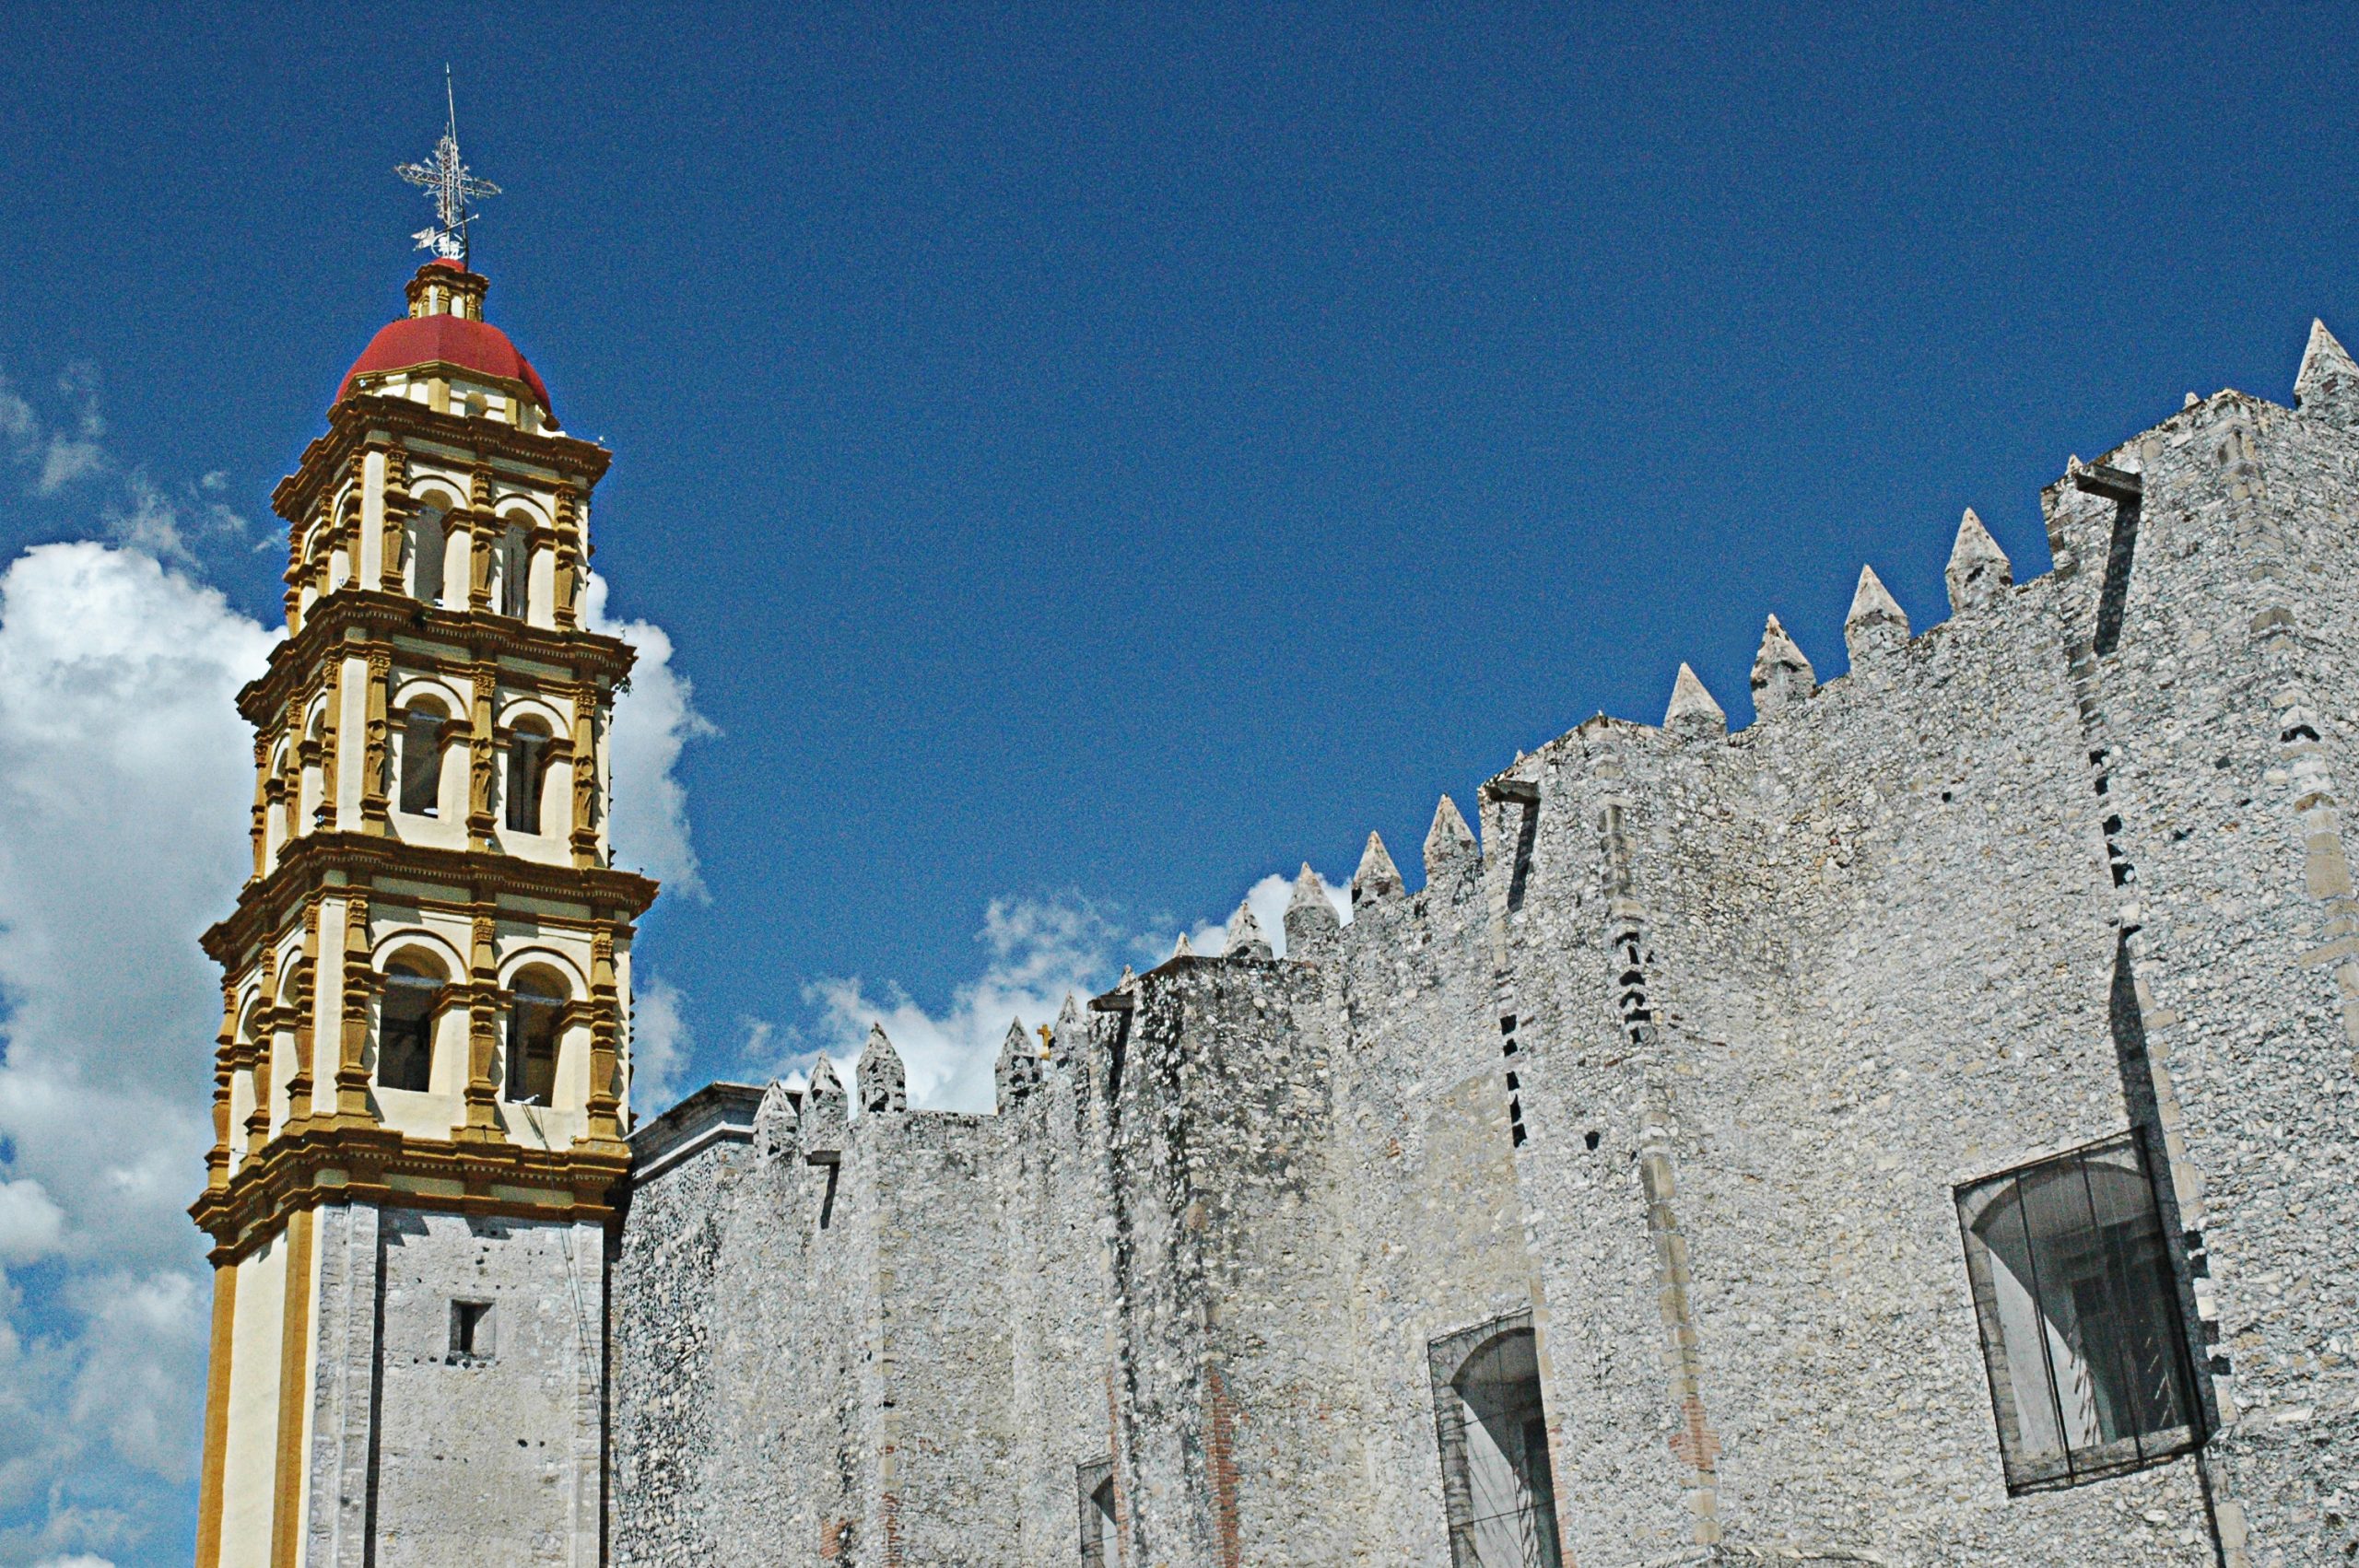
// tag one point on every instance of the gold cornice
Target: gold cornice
(381, 614)
(351, 420)
(330, 1161)
(306, 863)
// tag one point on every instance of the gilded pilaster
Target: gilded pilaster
(605, 1028)
(359, 990)
(324, 815)
(484, 537)
(584, 840)
(482, 1032)
(305, 1001)
(482, 757)
(375, 809)
(395, 509)
(225, 1071)
(567, 609)
(261, 828)
(265, 1044)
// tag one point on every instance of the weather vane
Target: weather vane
(448, 182)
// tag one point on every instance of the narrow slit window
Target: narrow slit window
(2082, 1328)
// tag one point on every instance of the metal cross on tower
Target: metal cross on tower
(448, 182)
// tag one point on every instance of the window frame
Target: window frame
(1448, 1359)
(1099, 1520)
(2122, 1260)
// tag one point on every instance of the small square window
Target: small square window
(2082, 1328)
(470, 1330)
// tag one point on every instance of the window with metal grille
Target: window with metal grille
(1497, 1488)
(2083, 1331)
(1095, 1482)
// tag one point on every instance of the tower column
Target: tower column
(422, 1044)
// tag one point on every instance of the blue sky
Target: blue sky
(1086, 461)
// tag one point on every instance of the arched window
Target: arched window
(1497, 1484)
(528, 763)
(2082, 1327)
(1095, 1483)
(515, 570)
(406, 1025)
(535, 1013)
(427, 545)
(421, 758)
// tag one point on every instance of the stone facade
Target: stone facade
(1682, 1075)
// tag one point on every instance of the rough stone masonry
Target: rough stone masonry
(1918, 1129)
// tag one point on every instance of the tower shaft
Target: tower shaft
(422, 1079)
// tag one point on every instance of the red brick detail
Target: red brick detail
(1694, 1442)
(1219, 1449)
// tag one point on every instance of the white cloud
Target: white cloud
(125, 780)
(659, 1044)
(79, 1560)
(1037, 951)
(30, 1222)
(652, 721)
(57, 454)
(124, 777)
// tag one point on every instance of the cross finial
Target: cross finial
(446, 180)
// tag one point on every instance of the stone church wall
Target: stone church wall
(1684, 1070)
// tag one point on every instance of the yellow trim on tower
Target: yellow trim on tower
(210, 1503)
(294, 1394)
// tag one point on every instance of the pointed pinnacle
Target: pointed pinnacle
(1978, 571)
(1873, 602)
(1180, 948)
(1449, 843)
(878, 1044)
(1692, 713)
(1310, 918)
(1781, 672)
(1378, 876)
(1245, 937)
(824, 1080)
(1875, 622)
(1017, 1071)
(2326, 375)
(1070, 1011)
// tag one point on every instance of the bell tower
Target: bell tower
(424, 1065)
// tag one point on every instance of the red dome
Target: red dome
(453, 340)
